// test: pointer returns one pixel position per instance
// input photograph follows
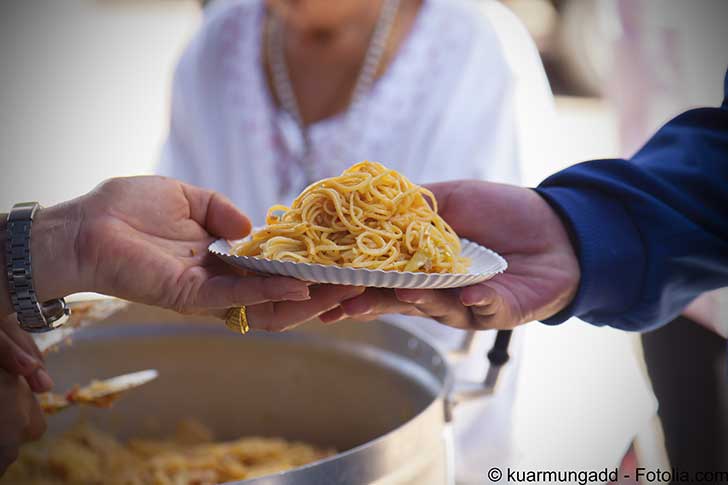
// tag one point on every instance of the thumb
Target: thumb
(225, 220)
(216, 213)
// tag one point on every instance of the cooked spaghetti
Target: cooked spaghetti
(368, 217)
(88, 456)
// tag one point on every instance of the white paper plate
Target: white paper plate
(484, 265)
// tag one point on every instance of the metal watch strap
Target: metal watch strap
(32, 316)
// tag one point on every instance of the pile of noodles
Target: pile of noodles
(85, 455)
(368, 217)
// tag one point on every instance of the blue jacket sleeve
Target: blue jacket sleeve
(651, 233)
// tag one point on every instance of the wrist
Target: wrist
(609, 249)
(563, 254)
(54, 259)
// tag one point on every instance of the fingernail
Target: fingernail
(407, 296)
(356, 290)
(466, 301)
(471, 299)
(355, 307)
(44, 380)
(27, 362)
(297, 294)
(333, 315)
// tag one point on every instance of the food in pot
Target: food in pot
(86, 455)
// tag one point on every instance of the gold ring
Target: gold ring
(236, 319)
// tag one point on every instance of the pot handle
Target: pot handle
(497, 357)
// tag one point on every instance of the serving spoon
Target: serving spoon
(97, 393)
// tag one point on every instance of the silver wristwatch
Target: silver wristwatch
(32, 315)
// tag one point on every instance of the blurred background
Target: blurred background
(86, 83)
(85, 96)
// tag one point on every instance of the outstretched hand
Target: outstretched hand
(145, 239)
(543, 271)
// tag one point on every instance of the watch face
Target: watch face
(58, 314)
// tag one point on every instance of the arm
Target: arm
(145, 239)
(651, 233)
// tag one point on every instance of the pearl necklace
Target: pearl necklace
(283, 86)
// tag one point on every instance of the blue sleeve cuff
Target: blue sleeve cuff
(610, 252)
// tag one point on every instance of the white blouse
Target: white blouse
(443, 110)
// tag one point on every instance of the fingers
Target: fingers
(490, 308)
(448, 196)
(33, 414)
(14, 359)
(8, 455)
(40, 381)
(225, 291)
(21, 357)
(443, 190)
(373, 303)
(442, 305)
(479, 298)
(11, 326)
(225, 220)
(334, 315)
(281, 316)
(21, 419)
(370, 305)
(479, 294)
(478, 307)
(216, 213)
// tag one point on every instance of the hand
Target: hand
(19, 356)
(280, 316)
(543, 271)
(370, 305)
(145, 239)
(21, 418)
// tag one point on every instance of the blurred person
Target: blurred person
(273, 95)
(666, 55)
(143, 239)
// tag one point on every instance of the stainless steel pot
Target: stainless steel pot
(374, 391)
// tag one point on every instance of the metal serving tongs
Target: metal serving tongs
(100, 394)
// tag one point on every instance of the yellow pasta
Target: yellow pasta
(368, 217)
(85, 455)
